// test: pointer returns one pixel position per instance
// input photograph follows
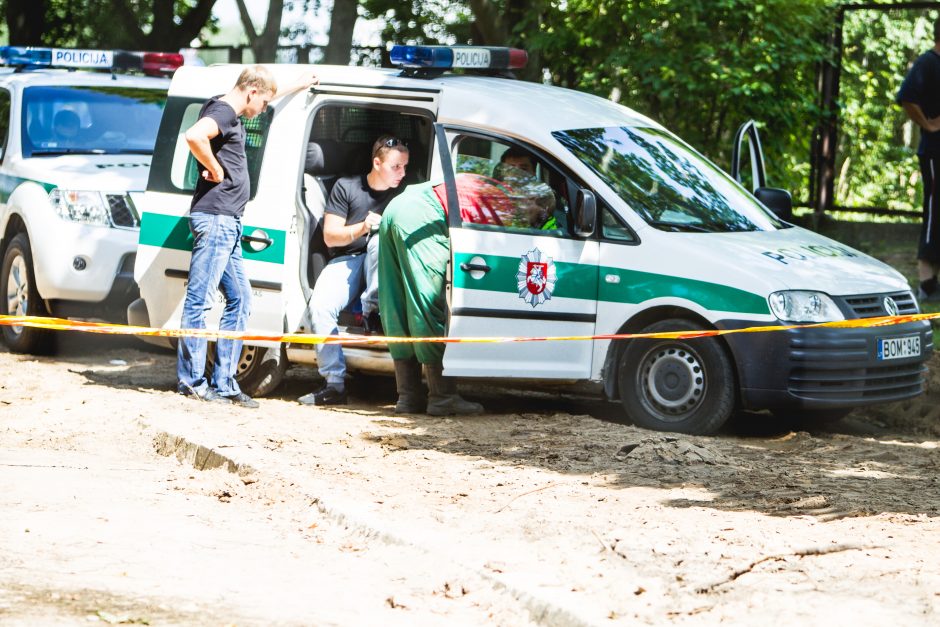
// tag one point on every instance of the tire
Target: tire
(687, 386)
(20, 298)
(259, 371)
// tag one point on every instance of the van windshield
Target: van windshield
(90, 120)
(666, 183)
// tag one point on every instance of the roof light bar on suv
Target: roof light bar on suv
(149, 63)
(462, 57)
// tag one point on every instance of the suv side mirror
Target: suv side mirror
(586, 213)
(777, 200)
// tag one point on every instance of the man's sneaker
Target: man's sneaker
(924, 297)
(325, 396)
(242, 400)
(372, 324)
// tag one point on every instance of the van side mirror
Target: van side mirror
(586, 213)
(777, 200)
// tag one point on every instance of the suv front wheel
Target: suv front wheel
(18, 288)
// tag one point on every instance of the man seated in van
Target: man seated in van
(351, 215)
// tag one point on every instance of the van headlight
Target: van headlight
(802, 306)
(83, 207)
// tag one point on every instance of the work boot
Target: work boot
(408, 382)
(443, 399)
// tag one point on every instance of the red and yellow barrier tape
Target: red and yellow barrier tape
(60, 324)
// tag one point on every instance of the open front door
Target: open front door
(517, 268)
(754, 178)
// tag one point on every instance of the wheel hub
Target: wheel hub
(673, 380)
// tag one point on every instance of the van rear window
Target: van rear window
(175, 170)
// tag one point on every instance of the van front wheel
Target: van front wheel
(685, 386)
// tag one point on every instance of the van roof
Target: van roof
(518, 107)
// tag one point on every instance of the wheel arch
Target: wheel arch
(642, 320)
(15, 224)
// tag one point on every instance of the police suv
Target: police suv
(648, 236)
(72, 145)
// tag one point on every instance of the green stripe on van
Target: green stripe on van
(574, 280)
(581, 281)
(163, 231)
(9, 183)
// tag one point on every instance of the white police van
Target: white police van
(72, 145)
(649, 236)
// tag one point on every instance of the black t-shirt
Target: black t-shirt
(921, 86)
(229, 197)
(353, 199)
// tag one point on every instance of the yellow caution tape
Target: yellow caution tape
(60, 324)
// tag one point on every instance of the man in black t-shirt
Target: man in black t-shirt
(217, 141)
(352, 214)
(920, 97)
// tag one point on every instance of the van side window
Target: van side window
(613, 228)
(509, 188)
(174, 169)
(4, 121)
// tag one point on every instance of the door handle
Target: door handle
(470, 267)
(258, 240)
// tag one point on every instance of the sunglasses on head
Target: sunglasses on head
(392, 142)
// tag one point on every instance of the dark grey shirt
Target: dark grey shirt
(353, 199)
(229, 197)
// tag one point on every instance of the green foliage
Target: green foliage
(700, 67)
(877, 164)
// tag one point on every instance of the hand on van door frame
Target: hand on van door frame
(305, 80)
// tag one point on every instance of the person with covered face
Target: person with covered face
(413, 257)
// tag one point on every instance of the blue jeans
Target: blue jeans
(340, 283)
(216, 264)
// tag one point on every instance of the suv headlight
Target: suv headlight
(77, 206)
(801, 306)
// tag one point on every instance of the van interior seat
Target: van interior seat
(325, 162)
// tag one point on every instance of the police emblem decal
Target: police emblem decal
(536, 277)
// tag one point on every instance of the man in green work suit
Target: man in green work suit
(413, 254)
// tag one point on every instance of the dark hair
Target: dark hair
(515, 152)
(386, 143)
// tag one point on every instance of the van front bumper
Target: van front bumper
(825, 368)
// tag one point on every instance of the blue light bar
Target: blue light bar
(13, 55)
(56, 57)
(464, 57)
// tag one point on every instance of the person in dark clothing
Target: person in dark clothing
(217, 141)
(352, 213)
(920, 97)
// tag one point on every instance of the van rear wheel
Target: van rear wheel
(687, 386)
(259, 371)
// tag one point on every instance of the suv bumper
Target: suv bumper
(826, 368)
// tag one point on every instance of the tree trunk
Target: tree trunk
(263, 44)
(488, 23)
(26, 22)
(342, 23)
(165, 33)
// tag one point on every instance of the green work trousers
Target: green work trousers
(413, 253)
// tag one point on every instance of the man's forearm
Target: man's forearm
(917, 115)
(202, 151)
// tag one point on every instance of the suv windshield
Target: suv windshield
(90, 120)
(669, 185)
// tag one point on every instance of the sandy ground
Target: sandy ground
(545, 510)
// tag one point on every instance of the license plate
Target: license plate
(898, 347)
